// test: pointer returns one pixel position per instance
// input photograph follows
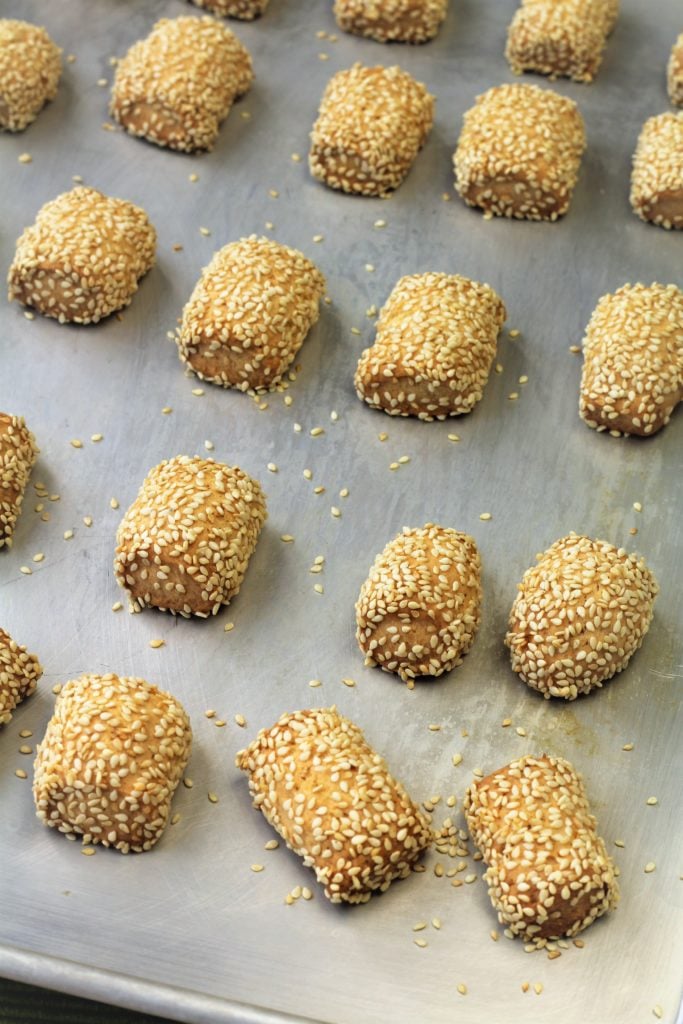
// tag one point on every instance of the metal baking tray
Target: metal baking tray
(189, 930)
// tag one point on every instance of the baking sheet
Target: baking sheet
(189, 931)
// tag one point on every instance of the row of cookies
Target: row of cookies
(518, 154)
(257, 300)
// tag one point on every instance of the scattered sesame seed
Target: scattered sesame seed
(658, 1011)
(318, 238)
(355, 330)
(273, 193)
(652, 800)
(157, 643)
(523, 379)
(404, 459)
(349, 682)
(382, 437)
(57, 689)
(198, 392)
(25, 733)
(319, 589)
(525, 986)
(335, 512)
(575, 349)
(88, 851)
(113, 503)
(20, 773)
(649, 867)
(212, 798)
(314, 683)
(579, 943)
(87, 521)
(628, 746)
(439, 870)
(323, 56)
(380, 224)
(420, 926)
(478, 773)
(494, 935)
(637, 506)
(240, 720)
(434, 727)
(370, 268)
(205, 232)
(485, 516)
(334, 415)
(317, 431)
(499, 367)
(520, 730)
(188, 783)
(286, 538)
(288, 400)
(245, 115)
(220, 723)
(468, 879)
(68, 534)
(175, 818)
(446, 197)
(620, 843)
(166, 410)
(319, 490)
(39, 557)
(506, 722)
(436, 923)
(75, 443)
(272, 468)
(306, 893)
(209, 445)
(228, 627)
(117, 606)
(25, 158)
(513, 396)
(257, 867)
(553, 954)
(27, 571)
(462, 989)
(29, 315)
(420, 942)
(344, 493)
(538, 988)
(393, 466)
(514, 333)
(296, 158)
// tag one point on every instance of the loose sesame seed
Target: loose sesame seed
(57, 689)
(25, 158)
(319, 490)
(514, 333)
(579, 943)
(393, 466)
(513, 396)
(240, 720)
(75, 443)
(157, 643)
(323, 56)
(306, 893)
(620, 843)
(637, 506)
(20, 773)
(228, 627)
(575, 350)
(494, 935)
(485, 516)
(538, 988)
(209, 445)
(39, 557)
(649, 867)
(317, 431)
(349, 682)
(26, 570)
(628, 746)
(96, 437)
(462, 989)
(286, 538)
(205, 232)
(29, 315)
(87, 521)
(220, 723)
(525, 986)
(380, 224)
(117, 606)
(256, 868)
(166, 410)
(469, 879)
(25, 733)
(296, 158)
(272, 468)
(187, 782)
(68, 534)
(369, 268)
(198, 392)
(420, 942)
(319, 589)
(420, 926)
(113, 503)
(651, 801)
(335, 512)
(436, 923)
(175, 818)
(658, 1011)
(553, 954)
(88, 851)
(520, 730)
(318, 238)
(453, 437)
(245, 115)
(434, 727)
(523, 379)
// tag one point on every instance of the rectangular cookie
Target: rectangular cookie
(176, 86)
(549, 874)
(371, 125)
(558, 38)
(632, 377)
(249, 313)
(674, 73)
(18, 452)
(399, 21)
(83, 257)
(519, 153)
(657, 177)
(435, 343)
(184, 544)
(331, 797)
(245, 10)
(19, 675)
(30, 69)
(109, 763)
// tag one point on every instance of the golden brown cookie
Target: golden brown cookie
(398, 21)
(657, 177)
(580, 614)
(19, 675)
(184, 544)
(83, 257)
(548, 871)
(419, 609)
(332, 798)
(435, 343)
(519, 153)
(245, 10)
(558, 38)
(18, 452)
(249, 313)
(371, 125)
(30, 69)
(112, 755)
(632, 376)
(176, 86)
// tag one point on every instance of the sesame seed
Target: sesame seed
(513, 396)
(29, 315)
(436, 923)
(453, 437)
(420, 926)
(658, 1011)
(228, 627)
(380, 224)
(296, 157)
(319, 589)
(20, 773)
(335, 512)
(628, 746)
(485, 516)
(220, 723)
(323, 56)
(212, 798)
(637, 506)
(209, 445)
(96, 437)
(494, 935)
(420, 942)
(188, 783)
(620, 843)
(245, 115)
(39, 557)
(209, 713)
(117, 606)
(434, 727)
(157, 643)
(514, 333)
(25, 158)
(382, 437)
(198, 392)
(25, 733)
(175, 818)
(286, 538)
(319, 490)
(651, 801)
(75, 443)
(538, 988)
(205, 232)
(87, 521)
(462, 989)
(272, 468)
(113, 503)
(273, 193)
(288, 400)
(520, 730)
(334, 415)
(349, 682)
(318, 238)
(272, 844)
(57, 689)
(317, 431)
(257, 867)
(523, 379)
(166, 410)
(88, 851)
(306, 893)
(525, 986)
(649, 867)
(68, 534)
(240, 720)
(26, 570)
(404, 459)
(370, 268)
(579, 943)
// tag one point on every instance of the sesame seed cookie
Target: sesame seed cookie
(112, 756)
(333, 800)
(558, 37)
(19, 675)
(184, 544)
(400, 21)
(18, 452)
(580, 614)
(371, 125)
(245, 10)
(519, 153)
(435, 343)
(549, 874)
(632, 376)
(419, 609)
(30, 69)
(674, 73)
(657, 177)
(176, 86)
(83, 257)
(249, 313)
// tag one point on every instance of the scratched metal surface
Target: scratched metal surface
(188, 930)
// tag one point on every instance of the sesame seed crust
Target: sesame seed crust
(30, 69)
(245, 10)
(401, 21)
(83, 257)
(632, 376)
(419, 609)
(176, 86)
(558, 37)
(250, 313)
(579, 616)
(19, 675)
(110, 761)
(184, 544)
(435, 343)
(18, 452)
(549, 874)
(371, 125)
(674, 73)
(657, 178)
(608, 10)
(333, 800)
(519, 152)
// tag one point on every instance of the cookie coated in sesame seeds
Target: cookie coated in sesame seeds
(112, 756)
(580, 614)
(176, 86)
(245, 10)
(83, 257)
(419, 609)
(30, 69)
(558, 38)
(19, 675)
(249, 313)
(18, 452)
(609, 9)
(371, 125)
(519, 152)
(674, 73)
(549, 874)
(184, 544)
(434, 347)
(657, 177)
(400, 21)
(632, 376)
(333, 800)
